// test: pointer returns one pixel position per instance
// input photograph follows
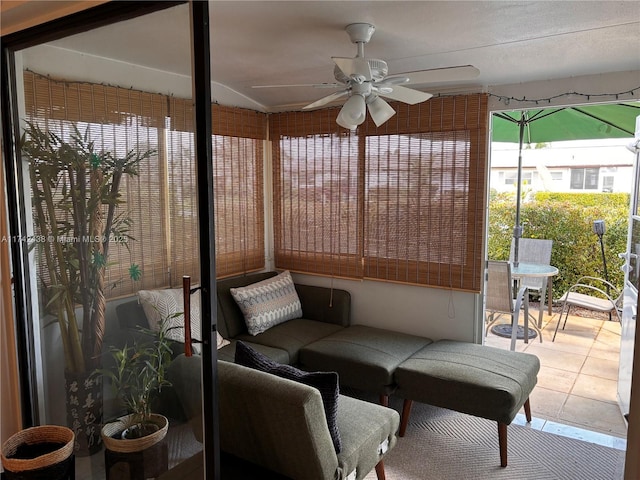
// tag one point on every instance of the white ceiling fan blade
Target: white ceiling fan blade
(439, 75)
(358, 67)
(403, 94)
(314, 85)
(380, 111)
(325, 100)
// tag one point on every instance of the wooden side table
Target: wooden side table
(148, 463)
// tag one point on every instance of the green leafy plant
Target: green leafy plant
(140, 373)
(567, 219)
(75, 195)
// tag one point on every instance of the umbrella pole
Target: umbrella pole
(517, 230)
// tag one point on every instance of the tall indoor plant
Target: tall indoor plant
(75, 195)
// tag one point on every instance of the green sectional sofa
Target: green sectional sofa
(473, 379)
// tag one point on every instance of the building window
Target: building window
(556, 176)
(607, 183)
(511, 178)
(584, 178)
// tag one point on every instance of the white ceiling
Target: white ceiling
(291, 42)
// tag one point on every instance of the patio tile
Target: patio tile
(547, 403)
(557, 359)
(593, 414)
(600, 367)
(556, 379)
(596, 388)
(577, 383)
(570, 344)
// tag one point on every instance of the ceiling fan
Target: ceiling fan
(364, 81)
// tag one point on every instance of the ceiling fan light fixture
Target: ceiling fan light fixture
(380, 111)
(353, 113)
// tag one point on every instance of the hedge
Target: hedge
(567, 219)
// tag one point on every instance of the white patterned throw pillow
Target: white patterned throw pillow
(159, 304)
(268, 303)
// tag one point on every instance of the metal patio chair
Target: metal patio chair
(601, 296)
(499, 299)
(533, 250)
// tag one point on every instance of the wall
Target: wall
(429, 312)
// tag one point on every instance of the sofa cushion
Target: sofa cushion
(325, 382)
(474, 379)
(368, 431)
(166, 304)
(364, 357)
(228, 353)
(293, 335)
(268, 303)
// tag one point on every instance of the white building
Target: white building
(578, 166)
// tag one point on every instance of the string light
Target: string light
(507, 100)
(501, 98)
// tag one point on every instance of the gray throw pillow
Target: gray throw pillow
(325, 382)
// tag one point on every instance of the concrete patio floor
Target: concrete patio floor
(576, 394)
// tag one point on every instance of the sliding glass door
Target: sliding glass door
(107, 181)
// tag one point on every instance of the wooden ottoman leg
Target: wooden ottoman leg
(384, 400)
(527, 410)
(406, 412)
(380, 470)
(502, 440)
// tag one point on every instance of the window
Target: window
(161, 200)
(403, 202)
(584, 178)
(511, 178)
(557, 176)
(607, 183)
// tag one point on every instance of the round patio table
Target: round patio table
(533, 270)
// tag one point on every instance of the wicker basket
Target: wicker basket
(35, 435)
(124, 445)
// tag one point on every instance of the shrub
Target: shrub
(567, 219)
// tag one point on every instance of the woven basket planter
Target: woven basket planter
(33, 436)
(111, 434)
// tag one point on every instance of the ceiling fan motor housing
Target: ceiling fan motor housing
(379, 71)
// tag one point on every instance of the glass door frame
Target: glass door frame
(99, 16)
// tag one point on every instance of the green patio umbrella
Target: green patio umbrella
(590, 122)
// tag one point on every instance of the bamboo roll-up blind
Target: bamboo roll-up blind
(117, 120)
(403, 202)
(317, 191)
(237, 151)
(161, 201)
(238, 173)
(425, 193)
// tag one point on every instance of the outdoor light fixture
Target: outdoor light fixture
(599, 229)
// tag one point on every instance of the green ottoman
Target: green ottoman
(364, 357)
(477, 380)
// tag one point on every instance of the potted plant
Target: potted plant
(75, 199)
(139, 373)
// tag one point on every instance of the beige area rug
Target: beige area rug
(441, 444)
